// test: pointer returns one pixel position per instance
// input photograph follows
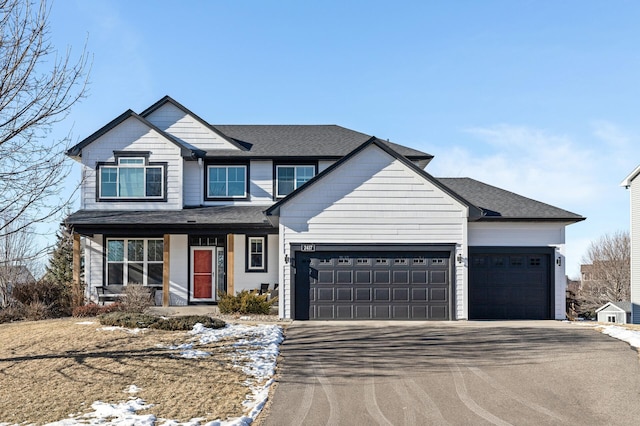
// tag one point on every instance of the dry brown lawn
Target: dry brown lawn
(50, 369)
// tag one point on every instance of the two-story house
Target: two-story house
(349, 226)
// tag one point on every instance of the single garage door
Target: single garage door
(372, 285)
(510, 284)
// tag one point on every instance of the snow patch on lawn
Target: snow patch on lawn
(86, 322)
(257, 347)
(128, 330)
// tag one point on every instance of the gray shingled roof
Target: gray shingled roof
(228, 216)
(625, 306)
(499, 204)
(329, 141)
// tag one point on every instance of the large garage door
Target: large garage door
(510, 284)
(372, 285)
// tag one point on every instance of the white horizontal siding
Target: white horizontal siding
(529, 234)
(132, 135)
(372, 198)
(243, 280)
(186, 128)
(178, 270)
(635, 250)
(193, 184)
(323, 164)
(261, 182)
(93, 258)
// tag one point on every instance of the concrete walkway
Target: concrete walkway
(457, 373)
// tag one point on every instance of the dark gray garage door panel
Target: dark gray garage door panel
(510, 284)
(373, 285)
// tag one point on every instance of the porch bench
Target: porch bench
(109, 293)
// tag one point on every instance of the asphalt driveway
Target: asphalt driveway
(458, 373)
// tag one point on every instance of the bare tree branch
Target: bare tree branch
(38, 87)
(606, 271)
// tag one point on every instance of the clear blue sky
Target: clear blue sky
(537, 97)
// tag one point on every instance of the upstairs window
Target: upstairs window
(131, 178)
(290, 178)
(226, 181)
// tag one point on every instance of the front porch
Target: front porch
(187, 256)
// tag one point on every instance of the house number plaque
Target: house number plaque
(308, 247)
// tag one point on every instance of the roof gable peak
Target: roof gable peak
(169, 100)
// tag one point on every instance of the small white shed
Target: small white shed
(615, 312)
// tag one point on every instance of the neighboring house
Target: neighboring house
(633, 184)
(348, 225)
(616, 312)
(10, 276)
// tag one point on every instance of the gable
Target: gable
(613, 307)
(131, 135)
(188, 128)
(374, 194)
(115, 125)
(630, 178)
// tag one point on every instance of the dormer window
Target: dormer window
(131, 178)
(290, 178)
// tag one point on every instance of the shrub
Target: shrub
(54, 296)
(244, 303)
(187, 322)
(128, 319)
(11, 313)
(36, 311)
(139, 320)
(136, 299)
(88, 310)
(93, 310)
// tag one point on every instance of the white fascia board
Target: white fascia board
(627, 181)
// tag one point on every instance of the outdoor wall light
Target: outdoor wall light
(459, 258)
(286, 258)
(559, 261)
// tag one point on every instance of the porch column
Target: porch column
(230, 289)
(77, 292)
(165, 270)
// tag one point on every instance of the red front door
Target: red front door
(203, 274)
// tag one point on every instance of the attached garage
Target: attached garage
(391, 285)
(511, 283)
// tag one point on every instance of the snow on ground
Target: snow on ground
(257, 348)
(632, 337)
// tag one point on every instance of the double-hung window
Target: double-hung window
(226, 181)
(131, 178)
(290, 178)
(256, 254)
(134, 261)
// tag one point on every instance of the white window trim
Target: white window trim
(119, 165)
(263, 267)
(125, 261)
(226, 167)
(295, 176)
